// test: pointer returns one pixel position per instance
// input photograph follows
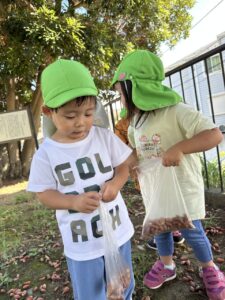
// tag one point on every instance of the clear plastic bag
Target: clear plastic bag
(117, 270)
(164, 203)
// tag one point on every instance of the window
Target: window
(222, 128)
(213, 63)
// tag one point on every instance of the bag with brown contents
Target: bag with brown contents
(164, 203)
(117, 271)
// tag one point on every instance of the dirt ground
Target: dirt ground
(38, 255)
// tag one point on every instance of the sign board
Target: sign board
(16, 125)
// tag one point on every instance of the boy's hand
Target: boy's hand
(87, 202)
(172, 157)
(109, 191)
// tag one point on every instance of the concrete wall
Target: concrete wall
(215, 199)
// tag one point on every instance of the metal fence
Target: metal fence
(201, 82)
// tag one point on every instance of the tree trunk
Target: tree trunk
(29, 145)
(58, 7)
(13, 151)
(1, 165)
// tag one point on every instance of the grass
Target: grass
(22, 198)
(28, 245)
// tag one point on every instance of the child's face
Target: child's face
(119, 90)
(73, 122)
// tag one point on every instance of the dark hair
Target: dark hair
(126, 87)
(79, 101)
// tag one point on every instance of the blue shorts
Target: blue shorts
(196, 238)
(88, 276)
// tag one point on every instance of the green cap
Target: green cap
(65, 80)
(146, 72)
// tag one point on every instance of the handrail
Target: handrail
(196, 60)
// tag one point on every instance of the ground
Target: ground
(32, 265)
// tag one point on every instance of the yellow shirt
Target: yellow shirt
(162, 129)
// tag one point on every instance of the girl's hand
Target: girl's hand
(134, 172)
(109, 191)
(86, 202)
(172, 157)
(203, 141)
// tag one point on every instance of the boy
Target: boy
(70, 169)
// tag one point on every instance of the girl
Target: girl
(156, 111)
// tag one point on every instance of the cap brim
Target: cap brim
(67, 96)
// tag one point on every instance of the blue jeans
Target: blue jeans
(196, 238)
(88, 277)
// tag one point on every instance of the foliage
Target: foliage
(5, 279)
(213, 172)
(30, 40)
(95, 32)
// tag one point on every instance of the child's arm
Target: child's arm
(86, 202)
(202, 141)
(133, 164)
(111, 188)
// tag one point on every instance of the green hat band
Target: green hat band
(123, 113)
(65, 80)
(146, 72)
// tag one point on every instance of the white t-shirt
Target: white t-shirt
(73, 169)
(162, 129)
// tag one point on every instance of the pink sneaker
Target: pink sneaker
(158, 275)
(214, 281)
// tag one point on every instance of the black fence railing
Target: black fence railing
(201, 82)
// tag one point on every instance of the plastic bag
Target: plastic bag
(117, 270)
(164, 203)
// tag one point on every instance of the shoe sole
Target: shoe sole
(150, 247)
(176, 243)
(158, 286)
(180, 242)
